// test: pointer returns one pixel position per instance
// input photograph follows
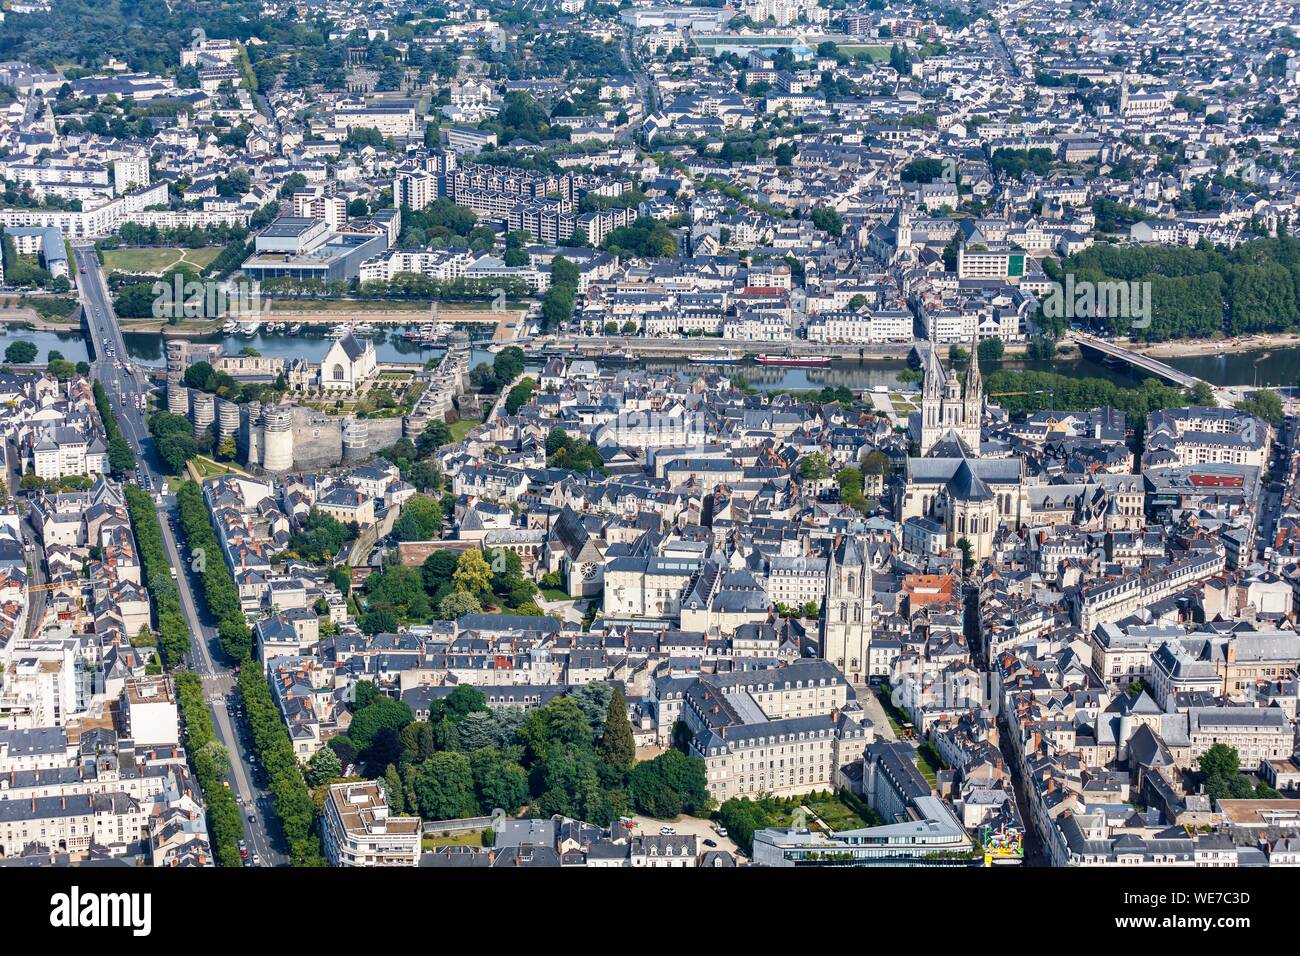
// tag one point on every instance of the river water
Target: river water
(1262, 367)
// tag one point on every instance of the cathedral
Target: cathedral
(969, 497)
(846, 616)
(950, 413)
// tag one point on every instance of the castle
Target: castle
(285, 436)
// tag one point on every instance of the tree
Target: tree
(21, 352)
(379, 713)
(379, 621)
(990, 350)
(438, 569)
(1220, 760)
(476, 731)
(499, 781)
(472, 574)
(1264, 404)
(670, 784)
(519, 395)
(507, 365)
(967, 558)
(421, 520)
(444, 787)
(61, 369)
(563, 272)
(457, 604)
(319, 537)
(218, 757)
(824, 217)
(557, 725)
(121, 459)
(394, 792)
(463, 701)
(364, 693)
(814, 467)
(1203, 394)
(323, 767)
(399, 589)
(850, 481)
(617, 745)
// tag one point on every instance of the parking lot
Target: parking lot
(702, 829)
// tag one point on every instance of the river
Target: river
(1263, 367)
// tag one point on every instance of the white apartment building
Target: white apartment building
(884, 325)
(359, 832)
(58, 450)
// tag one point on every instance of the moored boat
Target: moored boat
(795, 361)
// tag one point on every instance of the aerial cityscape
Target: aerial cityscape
(569, 434)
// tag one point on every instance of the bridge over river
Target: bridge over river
(1139, 361)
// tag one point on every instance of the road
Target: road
(634, 68)
(125, 383)
(1270, 509)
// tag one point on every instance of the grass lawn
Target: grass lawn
(472, 838)
(51, 308)
(929, 762)
(896, 717)
(461, 428)
(878, 54)
(157, 260)
(207, 468)
(555, 594)
(835, 814)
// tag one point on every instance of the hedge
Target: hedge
(218, 583)
(293, 803)
(174, 633)
(224, 826)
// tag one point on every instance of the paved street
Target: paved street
(875, 713)
(124, 384)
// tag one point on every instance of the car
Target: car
(721, 831)
(666, 831)
(257, 860)
(226, 784)
(252, 818)
(710, 843)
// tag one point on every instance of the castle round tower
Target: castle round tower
(277, 438)
(178, 396)
(203, 411)
(227, 419)
(356, 436)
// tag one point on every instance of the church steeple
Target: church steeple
(974, 384)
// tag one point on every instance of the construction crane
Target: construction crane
(56, 586)
(1036, 391)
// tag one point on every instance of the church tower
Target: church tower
(846, 613)
(973, 398)
(950, 410)
(903, 240)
